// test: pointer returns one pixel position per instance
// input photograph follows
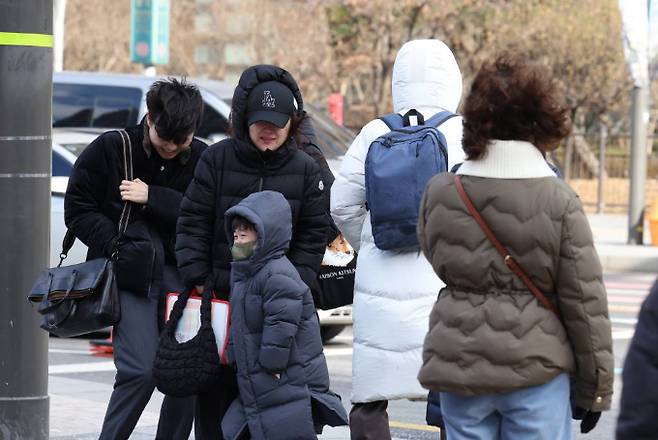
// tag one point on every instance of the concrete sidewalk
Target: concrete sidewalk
(610, 235)
(78, 403)
(77, 407)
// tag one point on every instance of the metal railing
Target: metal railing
(607, 163)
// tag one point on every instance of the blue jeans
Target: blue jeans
(536, 413)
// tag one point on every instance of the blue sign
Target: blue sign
(149, 31)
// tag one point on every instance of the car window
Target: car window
(212, 123)
(75, 148)
(61, 167)
(84, 105)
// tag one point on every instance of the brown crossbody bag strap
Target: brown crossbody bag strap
(509, 261)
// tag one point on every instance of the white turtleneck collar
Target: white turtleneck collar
(508, 160)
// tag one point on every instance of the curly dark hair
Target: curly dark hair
(511, 99)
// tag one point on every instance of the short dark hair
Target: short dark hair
(175, 108)
(239, 221)
(511, 99)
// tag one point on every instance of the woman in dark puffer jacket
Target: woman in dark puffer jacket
(262, 154)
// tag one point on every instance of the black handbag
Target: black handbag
(183, 369)
(336, 275)
(84, 297)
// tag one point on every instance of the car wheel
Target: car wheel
(328, 332)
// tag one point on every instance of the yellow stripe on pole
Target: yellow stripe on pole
(21, 39)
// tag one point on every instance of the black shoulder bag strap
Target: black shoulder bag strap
(128, 175)
(69, 237)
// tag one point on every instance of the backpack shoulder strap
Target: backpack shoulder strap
(394, 121)
(440, 118)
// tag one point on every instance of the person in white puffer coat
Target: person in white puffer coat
(394, 291)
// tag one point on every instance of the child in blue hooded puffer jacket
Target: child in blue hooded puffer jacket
(275, 344)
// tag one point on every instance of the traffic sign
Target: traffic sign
(149, 31)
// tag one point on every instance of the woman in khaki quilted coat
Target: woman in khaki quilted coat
(499, 357)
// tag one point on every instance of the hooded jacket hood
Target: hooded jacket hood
(251, 78)
(270, 213)
(426, 76)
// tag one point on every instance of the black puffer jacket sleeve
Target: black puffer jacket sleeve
(164, 204)
(310, 234)
(85, 195)
(327, 178)
(194, 230)
(310, 146)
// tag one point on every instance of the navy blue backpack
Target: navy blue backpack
(398, 166)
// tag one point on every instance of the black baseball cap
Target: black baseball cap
(272, 102)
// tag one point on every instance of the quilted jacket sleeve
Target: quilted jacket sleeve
(348, 194)
(328, 180)
(194, 230)
(583, 304)
(310, 233)
(283, 300)
(85, 194)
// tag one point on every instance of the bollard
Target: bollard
(653, 222)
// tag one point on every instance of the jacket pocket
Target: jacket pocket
(327, 409)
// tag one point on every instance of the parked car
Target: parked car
(111, 100)
(62, 165)
(76, 139)
(88, 103)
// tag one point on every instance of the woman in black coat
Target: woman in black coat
(262, 154)
(236, 167)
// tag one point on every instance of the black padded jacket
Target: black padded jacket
(231, 170)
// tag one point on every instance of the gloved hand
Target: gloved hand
(588, 418)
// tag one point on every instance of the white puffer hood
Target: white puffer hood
(426, 76)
